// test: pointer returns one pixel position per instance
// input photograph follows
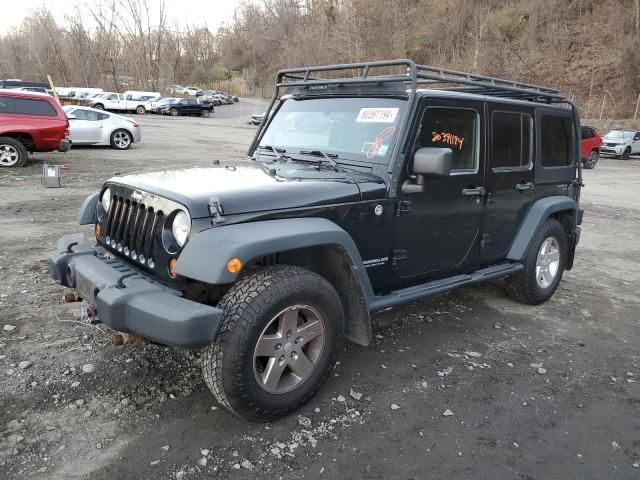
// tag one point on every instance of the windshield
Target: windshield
(618, 135)
(361, 129)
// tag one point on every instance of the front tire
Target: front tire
(280, 335)
(99, 106)
(543, 266)
(626, 155)
(174, 112)
(13, 153)
(140, 110)
(121, 139)
(591, 161)
(205, 113)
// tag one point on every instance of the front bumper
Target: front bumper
(617, 150)
(130, 301)
(65, 145)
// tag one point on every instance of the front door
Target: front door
(437, 229)
(86, 126)
(509, 177)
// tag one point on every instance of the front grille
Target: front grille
(132, 229)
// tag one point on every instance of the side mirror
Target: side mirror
(71, 117)
(428, 162)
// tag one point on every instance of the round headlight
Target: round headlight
(181, 227)
(106, 199)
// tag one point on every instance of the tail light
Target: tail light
(134, 123)
(66, 132)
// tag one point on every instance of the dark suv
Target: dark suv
(187, 106)
(364, 193)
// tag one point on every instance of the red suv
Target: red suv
(30, 122)
(590, 146)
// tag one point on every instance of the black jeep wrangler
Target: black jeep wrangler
(370, 185)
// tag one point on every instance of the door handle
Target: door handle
(474, 192)
(521, 187)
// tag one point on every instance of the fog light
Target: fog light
(234, 265)
(172, 268)
(98, 230)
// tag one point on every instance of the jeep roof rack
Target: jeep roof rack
(418, 75)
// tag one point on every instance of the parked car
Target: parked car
(176, 89)
(121, 102)
(590, 145)
(257, 118)
(191, 91)
(187, 106)
(90, 126)
(156, 106)
(46, 91)
(357, 201)
(621, 143)
(30, 122)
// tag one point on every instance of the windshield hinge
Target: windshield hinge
(215, 210)
(403, 207)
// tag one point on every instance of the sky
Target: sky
(180, 12)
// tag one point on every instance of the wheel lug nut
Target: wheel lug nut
(298, 340)
(278, 346)
(281, 360)
(288, 333)
(294, 355)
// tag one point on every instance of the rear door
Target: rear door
(509, 176)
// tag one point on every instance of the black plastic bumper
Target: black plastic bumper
(130, 301)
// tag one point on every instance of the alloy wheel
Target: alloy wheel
(9, 155)
(548, 262)
(121, 140)
(289, 349)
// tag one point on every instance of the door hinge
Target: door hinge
(403, 207)
(398, 255)
(485, 240)
(215, 211)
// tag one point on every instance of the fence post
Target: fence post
(635, 113)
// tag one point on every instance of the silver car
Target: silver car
(89, 126)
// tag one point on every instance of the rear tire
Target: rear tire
(591, 161)
(279, 337)
(174, 112)
(13, 153)
(543, 266)
(121, 139)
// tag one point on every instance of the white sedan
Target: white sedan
(89, 126)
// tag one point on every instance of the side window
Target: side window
(586, 132)
(557, 141)
(7, 105)
(26, 106)
(511, 140)
(102, 116)
(453, 128)
(636, 137)
(112, 97)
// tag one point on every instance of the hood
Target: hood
(254, 189)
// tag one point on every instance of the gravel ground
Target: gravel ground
(466, 385)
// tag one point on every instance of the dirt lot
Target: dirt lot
(534, 393)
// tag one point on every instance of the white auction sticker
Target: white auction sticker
(378, 115)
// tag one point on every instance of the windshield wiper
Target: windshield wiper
(328, 157)
(278, 152)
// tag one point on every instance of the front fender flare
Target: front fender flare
(538, 213)
(206, 255)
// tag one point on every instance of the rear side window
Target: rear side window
(557, 141)
(511, 140)
(587, 133)
(7, 105)
(27, 106)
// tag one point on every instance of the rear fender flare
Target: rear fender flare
(538, 213)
